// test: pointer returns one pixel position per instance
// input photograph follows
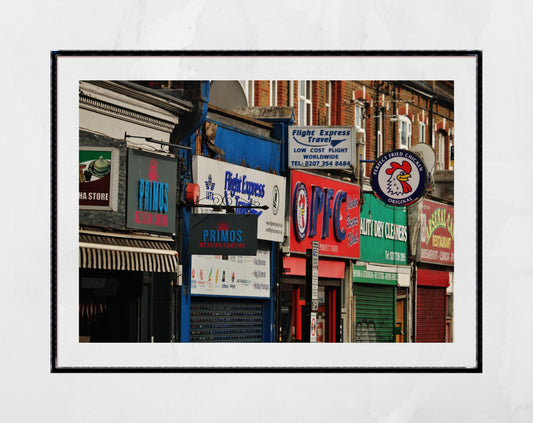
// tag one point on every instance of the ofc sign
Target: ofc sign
(324, 210)
(321, 147)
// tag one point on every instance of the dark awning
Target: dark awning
(113, 251)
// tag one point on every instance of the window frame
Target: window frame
(305, 103)
(404, 119)
(422, 130)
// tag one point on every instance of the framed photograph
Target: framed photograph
(242, 111)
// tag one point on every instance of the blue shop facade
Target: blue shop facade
(236, 167)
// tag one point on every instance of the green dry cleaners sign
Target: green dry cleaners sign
(383, 231)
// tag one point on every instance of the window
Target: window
(359, 112)
(273, 93)
(305, 104)
(421, 132)
(328, 103)
(441, 148)
(250, 92)
(404, 127)
(381, 147)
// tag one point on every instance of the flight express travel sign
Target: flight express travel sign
(321, 147)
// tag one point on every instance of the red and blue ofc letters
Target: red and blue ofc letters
(324, 210)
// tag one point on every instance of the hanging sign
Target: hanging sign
(324, 210)
(436, 233)
(228, 184)
(321, 147)
(151, 192)
(224, 234)
(399, 178)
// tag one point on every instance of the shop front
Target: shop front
(230, 297)
(127, 268)
(381, 290)
(434, 273)
(326, 211)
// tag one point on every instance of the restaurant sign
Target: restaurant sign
(223, 234)
(151, 199)
(324, 210)
(436, 233)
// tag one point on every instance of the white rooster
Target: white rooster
(399, 175)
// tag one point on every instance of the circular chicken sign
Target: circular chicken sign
(399, 178)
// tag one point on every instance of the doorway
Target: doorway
(292, 309)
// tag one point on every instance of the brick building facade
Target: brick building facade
(391, 114)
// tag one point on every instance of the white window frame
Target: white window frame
(381, 146)
(274, 93)
(305, 103)
(422, 132)
(404, 120)
(250, 92)
(441, 146)
(358, 113)
(328, 102)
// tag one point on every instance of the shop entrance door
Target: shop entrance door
(292, 309)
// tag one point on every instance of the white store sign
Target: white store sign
(240, 276)
(321, 147)
(228, 184)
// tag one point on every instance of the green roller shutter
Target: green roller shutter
(375, 312)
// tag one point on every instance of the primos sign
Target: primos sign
(151, 192)
(324, 210)
(223, 234)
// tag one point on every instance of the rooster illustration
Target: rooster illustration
(399, 175)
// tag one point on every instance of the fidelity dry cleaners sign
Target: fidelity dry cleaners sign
(228, 184)
(324, 147)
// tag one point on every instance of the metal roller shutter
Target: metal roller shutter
(223, 320)
(431, 314)
(375, 312)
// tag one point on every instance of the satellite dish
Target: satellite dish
(426, 154)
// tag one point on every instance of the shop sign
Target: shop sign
(98, 173)
(223, 234)
(321, 147)
(362, 275)
(325, 210)
(436, 233)
(240, 276)
(383, 232)
(151, 199)
(228, 184)
(399, 178)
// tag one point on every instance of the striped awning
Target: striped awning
(112, 251)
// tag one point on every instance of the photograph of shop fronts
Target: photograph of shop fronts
(266, 211)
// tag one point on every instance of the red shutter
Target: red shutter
(431, 314)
